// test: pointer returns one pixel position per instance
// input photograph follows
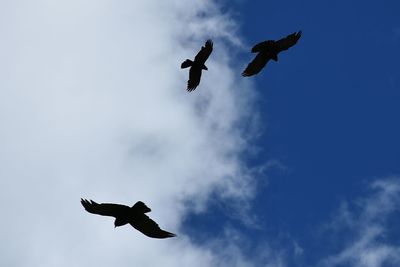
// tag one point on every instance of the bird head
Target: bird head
(140, 206)
(204, 67)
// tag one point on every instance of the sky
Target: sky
(297, 166)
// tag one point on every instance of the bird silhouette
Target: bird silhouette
(197, 65)
(134, 215)
(269, 50)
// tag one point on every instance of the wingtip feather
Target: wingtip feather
(245, 74)
(167, 234)
(172, 235)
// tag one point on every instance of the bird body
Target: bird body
(197, 65)
(269, 50)
(135, 216)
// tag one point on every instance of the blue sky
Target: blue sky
(297, 166)
(329, 114)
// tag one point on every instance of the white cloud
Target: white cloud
(93, 104)
(368, 244)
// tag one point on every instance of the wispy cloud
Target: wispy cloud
(364, 228)
(93, 104)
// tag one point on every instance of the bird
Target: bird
(269, 50)
(197, 65)
(134, 215)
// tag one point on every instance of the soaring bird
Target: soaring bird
(134, 215)
(197, 65)
(269, 50)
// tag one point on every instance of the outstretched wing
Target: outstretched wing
(194, 78)
(256, 65)
(149, 227)
(105, 209)
(263, 46)
(204, 52)
(287, 42)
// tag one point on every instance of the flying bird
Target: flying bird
(269, 50)
(134, 215)
(197, 65)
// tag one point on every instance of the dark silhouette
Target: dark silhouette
(269, 50)
(197, 65)
(134, 215)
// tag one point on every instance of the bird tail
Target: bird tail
(186, 64)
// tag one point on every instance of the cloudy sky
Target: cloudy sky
(298, 166)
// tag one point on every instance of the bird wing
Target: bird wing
(194, 78)
(149, 227)
(204, 52)
(256, 65)
(288, 41)
(105, 209)
(263, 46)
